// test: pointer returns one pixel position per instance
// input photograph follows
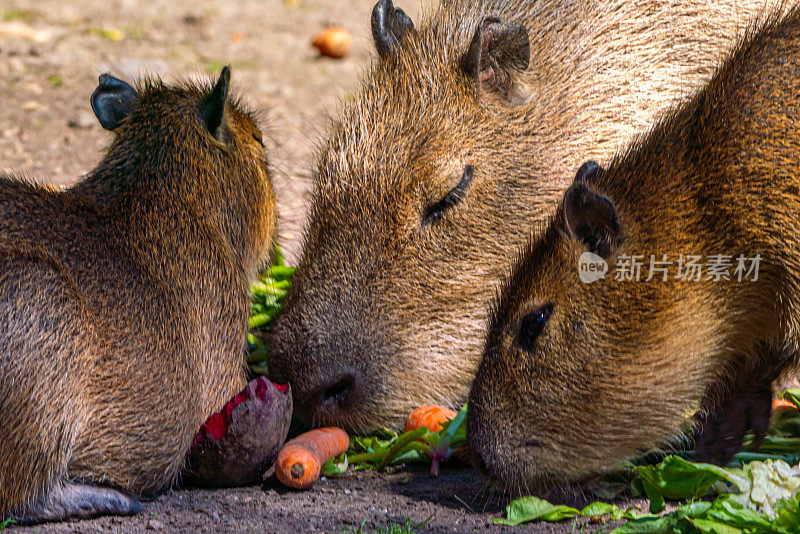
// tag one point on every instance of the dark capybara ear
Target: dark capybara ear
(498, 52)
(390, 25)
(591, 217)
(212, 108)
(113, 101)
(588, 171)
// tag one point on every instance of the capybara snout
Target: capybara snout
(326, 391)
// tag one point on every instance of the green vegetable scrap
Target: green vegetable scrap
(759, 498)
(765, 484)
(677, 478)
(529, 509)
(5, 523)
(723, 516)
(268, 295)
(388, 448)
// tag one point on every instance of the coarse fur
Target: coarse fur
(124, 303)
(388, 310)
(620, 364)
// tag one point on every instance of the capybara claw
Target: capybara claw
(722, 430)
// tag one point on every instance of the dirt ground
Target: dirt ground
(47, 129)
(457, 502)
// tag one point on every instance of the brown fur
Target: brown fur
(620, 364)
(387, 314)
(124, 302)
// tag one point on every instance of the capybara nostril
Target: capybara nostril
(340, 393)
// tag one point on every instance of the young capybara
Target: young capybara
(697, 224)
(461, 139)
(124, 300)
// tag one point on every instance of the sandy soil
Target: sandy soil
(47, 129)
(457, 502)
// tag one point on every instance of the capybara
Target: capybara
(124, 300)
(462, 138)
(582, 371)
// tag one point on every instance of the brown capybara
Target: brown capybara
(124, 300)
(461, 139)
(582, 371)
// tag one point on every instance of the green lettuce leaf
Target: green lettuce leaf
(529, 509)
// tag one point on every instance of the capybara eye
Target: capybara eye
(436, 211)
(532, 325)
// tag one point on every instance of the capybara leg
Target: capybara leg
(723, 428)
(236, 445)
(80, 501)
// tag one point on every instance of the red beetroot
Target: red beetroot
(235, 446)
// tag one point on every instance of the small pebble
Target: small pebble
(84, 120)
(155, 524)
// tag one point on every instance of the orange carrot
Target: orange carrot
(301, 458)
(431, 417)
(781, 404)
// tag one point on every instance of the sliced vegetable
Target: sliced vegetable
(430, 417)
(527, 509)
(534, 509)
(677, 478)
(793, 396)
(443, 444)
(783, 404)
(419, 445)
(301, 459)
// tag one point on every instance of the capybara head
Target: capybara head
(459, 142)
(200, 145)
(662, 285)
(421, 150)
(578, 373)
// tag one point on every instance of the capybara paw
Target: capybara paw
(237, 444)
(722, 430)
(80, 501)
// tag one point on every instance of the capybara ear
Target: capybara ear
(213, 106)
(588, 171)
(113, 101)
(591, 217)
(390, 25)
(497, 54)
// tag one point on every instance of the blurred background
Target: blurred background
(51, 53)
